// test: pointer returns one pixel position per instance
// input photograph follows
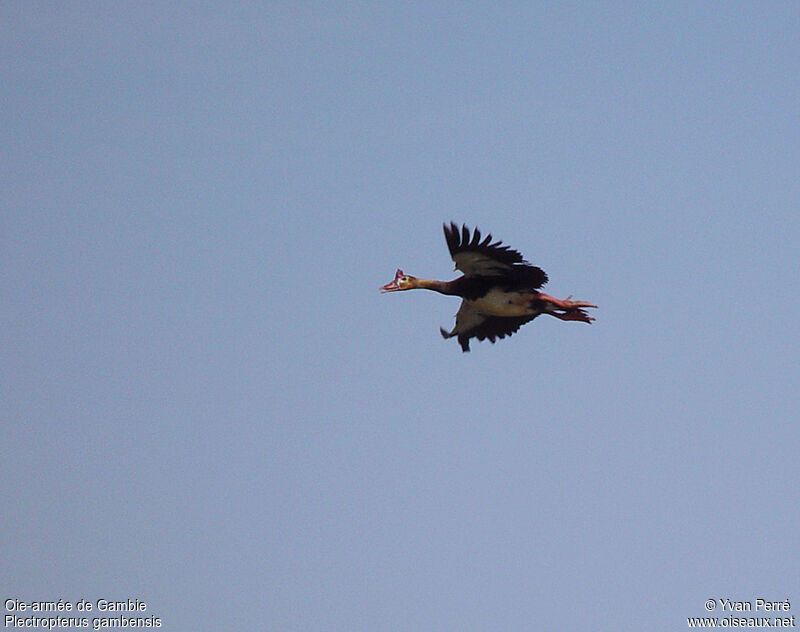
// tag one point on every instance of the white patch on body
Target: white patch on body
(499, 303)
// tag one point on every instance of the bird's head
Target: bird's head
(401, 281)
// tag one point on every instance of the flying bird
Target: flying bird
(499, 289)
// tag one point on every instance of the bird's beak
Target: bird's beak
(394, 286)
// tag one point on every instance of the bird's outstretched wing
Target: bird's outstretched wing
(473, 324)
(484, 258)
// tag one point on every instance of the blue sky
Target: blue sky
(208, 405)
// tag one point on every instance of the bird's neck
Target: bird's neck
(443, 287)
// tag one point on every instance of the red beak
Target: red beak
(393, 286)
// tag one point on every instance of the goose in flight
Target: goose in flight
(499, 289)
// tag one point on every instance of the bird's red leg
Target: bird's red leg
(574, 314)
(566, 309)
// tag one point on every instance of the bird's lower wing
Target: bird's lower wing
(473, 324)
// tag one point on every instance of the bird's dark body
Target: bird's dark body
(475, 287)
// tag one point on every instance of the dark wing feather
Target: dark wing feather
(499, 327)
(483, 258)
(459, 241)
